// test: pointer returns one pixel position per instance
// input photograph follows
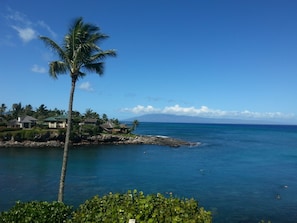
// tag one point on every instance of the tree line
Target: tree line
(42, 112)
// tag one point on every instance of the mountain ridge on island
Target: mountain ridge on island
(171, 118)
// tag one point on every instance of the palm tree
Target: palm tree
(17, 110)
(91, 114)
(79, 51)
(2, 109)
(135, 124)
(28, 109)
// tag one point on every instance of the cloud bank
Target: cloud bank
(204, 111)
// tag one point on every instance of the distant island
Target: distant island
(169, 118)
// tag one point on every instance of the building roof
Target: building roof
(108, 125)
(56, 118)
(91, 120)
(28, 119)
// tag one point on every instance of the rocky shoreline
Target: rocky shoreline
(103, 139)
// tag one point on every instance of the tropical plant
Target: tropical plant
(17, 110)
(2, 109)
(28, 110)
(91, 114)
(37, 211)
(104, 118)
(42, 112)
(113, 207)
(79, 52)
(143, 208)
(135, 124)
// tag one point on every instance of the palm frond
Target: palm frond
(54, 46)
(57, 67)
(103, 54)
(81, 74)
(98, 68)
(80, 49)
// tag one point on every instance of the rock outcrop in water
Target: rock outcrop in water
(104, 139)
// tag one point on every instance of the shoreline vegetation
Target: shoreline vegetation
(102, 139)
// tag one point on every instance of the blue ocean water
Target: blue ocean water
(242, 173)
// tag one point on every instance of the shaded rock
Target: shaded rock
(52, 143)
(104, 139)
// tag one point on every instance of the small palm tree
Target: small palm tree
(79, 52)
(2, 109)
(135, 124)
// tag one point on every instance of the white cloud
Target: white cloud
(26, 29)
(142, 109)
(17, 17)
(86, 86)
(204, 111)
(26, 34)
(38, 69)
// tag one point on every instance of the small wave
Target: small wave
(195, 144)
(158, 136)
(161, 136)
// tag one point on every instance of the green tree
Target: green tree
(91, 114)
(17, 110)
(56, 112)
(135, 124)
(28, 110)
(115, 121)
(2, 109)
(79, 52)
(104, 118)
(41, 112)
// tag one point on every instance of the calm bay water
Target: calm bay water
(242, 173)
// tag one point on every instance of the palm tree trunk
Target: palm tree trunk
(66, 145)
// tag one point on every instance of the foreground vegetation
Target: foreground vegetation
(112, 208)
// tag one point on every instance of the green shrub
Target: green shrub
(111, 208)
(2, 125)
(90, 130)
(18, 135)
(5, 136)
(135, 205)
(29, 134)
(36, 211)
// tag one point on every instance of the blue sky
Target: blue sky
(208, 58)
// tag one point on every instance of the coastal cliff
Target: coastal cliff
(104, 139)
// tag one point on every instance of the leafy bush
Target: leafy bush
(36, 211)
(5, 136)
(90, 130)
(135, 205)
(30, 134)
(18, 135)
(24, 134)
(34, 134)
(111, 208)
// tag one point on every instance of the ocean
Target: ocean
(241, 173)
